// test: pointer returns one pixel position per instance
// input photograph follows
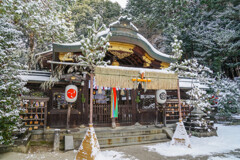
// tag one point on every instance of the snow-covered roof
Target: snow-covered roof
(139, 69)
(42, 76)
(34, 76)
(187, 83)
(124, 22)
(41, 53)
(122, 31)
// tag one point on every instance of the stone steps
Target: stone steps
(133, 143)
(107, 137)
(132, 140)
(124, 133)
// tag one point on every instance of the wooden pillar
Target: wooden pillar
(86, 105)
(164, 115)
(45, 115)
(179, 102)
(156, 110)
(91, 98)
(68, 115)
(134, 106)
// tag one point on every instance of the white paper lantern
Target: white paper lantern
(161, 96)
(71, 92)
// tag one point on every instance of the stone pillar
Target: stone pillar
(56, 142)
(113, 123)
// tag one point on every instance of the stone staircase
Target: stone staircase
(107, 137)
(130, 136)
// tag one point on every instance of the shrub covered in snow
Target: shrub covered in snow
(227, 92)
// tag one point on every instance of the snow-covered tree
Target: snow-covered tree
(176, 48)
(200, 74)
(94, 47)
(83, 12)
(227, 93)
(41, 22)
(11, 86)
(209, 29)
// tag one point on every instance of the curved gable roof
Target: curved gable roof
(122, 31)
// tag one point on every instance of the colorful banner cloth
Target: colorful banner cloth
(114, 103)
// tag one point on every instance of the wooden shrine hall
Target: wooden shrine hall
(132, 57)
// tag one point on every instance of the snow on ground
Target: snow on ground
(228, 157)
(228, 139)
(70, 155)
(236, 116)
(113, 155)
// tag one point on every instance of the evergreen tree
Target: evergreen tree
(83, 12)
(41, 22)
(11, 86)
(94, 47)
(209, 29)
(176, 48)
(227, 94)
(200, 74)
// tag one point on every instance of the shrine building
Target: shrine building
(132, 57)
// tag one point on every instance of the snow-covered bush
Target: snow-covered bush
(227, 92)
(11, 85)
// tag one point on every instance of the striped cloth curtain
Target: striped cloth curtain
(114, 103)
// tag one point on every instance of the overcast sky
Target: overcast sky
(121, 2)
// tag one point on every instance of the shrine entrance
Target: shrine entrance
(149, 112)
(102, 107)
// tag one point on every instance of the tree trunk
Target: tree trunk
(31, 54)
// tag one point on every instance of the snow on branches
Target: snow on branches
(41, 23)
(94, 47)
(227, 93)
(11, 85)
(176, 48)
(192, 69)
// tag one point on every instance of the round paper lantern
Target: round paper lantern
(161, 96)
(71, 92)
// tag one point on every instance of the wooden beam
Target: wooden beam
(68, 63)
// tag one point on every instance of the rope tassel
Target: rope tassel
(122, 92)
(100, 90)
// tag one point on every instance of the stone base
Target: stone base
(20, 145)
(203, 134)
